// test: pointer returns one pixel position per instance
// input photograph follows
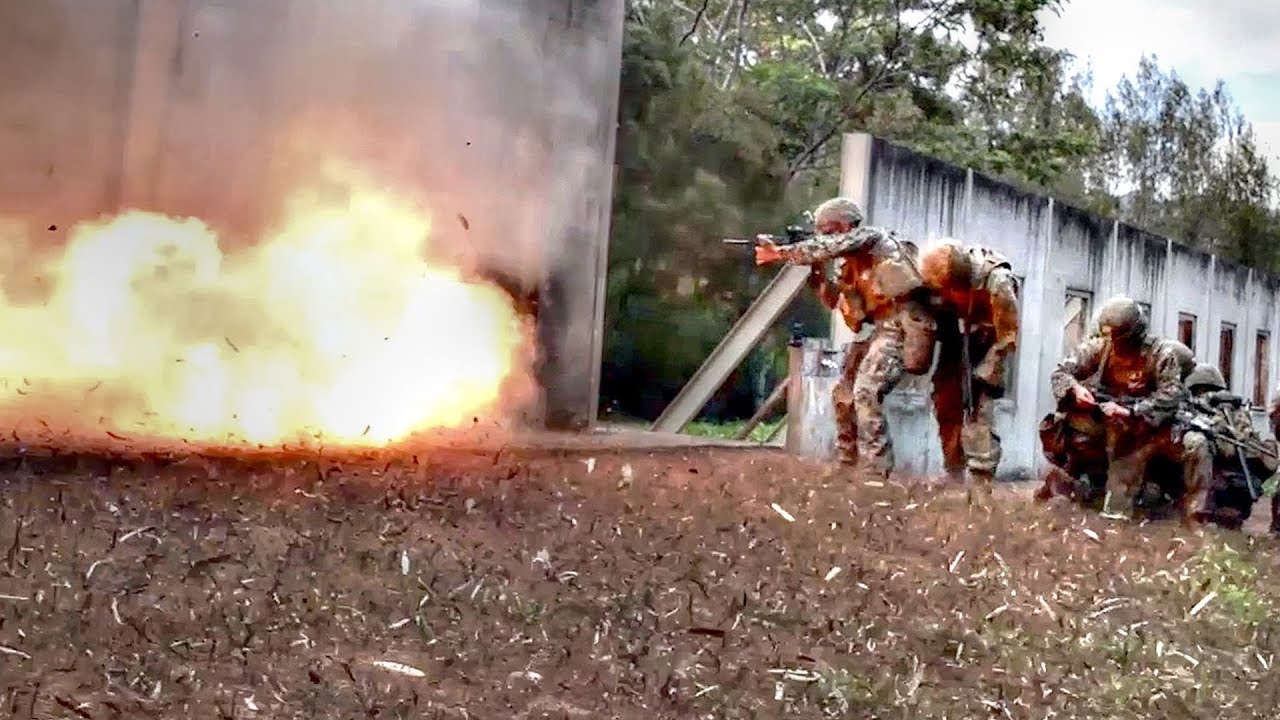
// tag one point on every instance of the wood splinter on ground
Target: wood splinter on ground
(400, 668)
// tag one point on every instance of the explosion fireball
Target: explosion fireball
(335, 326)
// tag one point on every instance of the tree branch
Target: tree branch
(737, 51)
(795, 166)
(817, 49)
(697, 18)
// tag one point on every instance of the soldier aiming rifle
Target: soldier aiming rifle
(792, 235)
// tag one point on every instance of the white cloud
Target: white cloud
(1203, 41)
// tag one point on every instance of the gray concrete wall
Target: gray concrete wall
(499, 111)
(1055, 250)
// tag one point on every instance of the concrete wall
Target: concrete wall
(1057, 250)
(502, 111)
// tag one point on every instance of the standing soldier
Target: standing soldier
(975, 298)
(1140, 379)
(878, 282)
(1242, 460)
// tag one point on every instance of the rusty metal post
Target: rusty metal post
(775, 398)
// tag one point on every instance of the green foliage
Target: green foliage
(1188, 166)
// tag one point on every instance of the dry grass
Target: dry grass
(629, 585)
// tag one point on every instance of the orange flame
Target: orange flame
(335, 327)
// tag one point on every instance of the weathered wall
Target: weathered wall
(1058, 250)
(499, 111)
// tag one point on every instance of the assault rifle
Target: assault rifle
(1099, 398)
(1193, 420)
(792, 235)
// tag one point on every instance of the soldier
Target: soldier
(1273, 414)
(1116, 436)
(1241, 459)
(877, 281)
(973, 288)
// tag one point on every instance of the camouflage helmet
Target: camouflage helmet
(1122, 318)
(1207, 376)
(944, 262)
(838, 210)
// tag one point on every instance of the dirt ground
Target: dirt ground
(607, 584)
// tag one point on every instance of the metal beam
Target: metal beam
(731, 351)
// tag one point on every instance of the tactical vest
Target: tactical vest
(983, 262)
(885, 280)
(883, 275)
(1137, 377)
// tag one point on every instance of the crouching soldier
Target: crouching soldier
(877, 282)
(1242, 460)
(974, 295)
(1118, 394)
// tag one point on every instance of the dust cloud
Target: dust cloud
(465, 133)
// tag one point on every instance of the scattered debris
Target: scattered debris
(1204, 602)
(6, 650)
(785, 515)
(400, 668)
(681, 594)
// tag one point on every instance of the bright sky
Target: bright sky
(1202, 40)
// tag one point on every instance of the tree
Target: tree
(817, 68)
(1186, 165)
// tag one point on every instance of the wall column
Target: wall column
(572, 298)
(855, 184)
(1044, 308)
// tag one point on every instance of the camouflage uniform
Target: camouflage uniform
(1148, 372)
(878, 282)
(1228, 499)
(975, 287)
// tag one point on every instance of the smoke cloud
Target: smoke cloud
(483, 114)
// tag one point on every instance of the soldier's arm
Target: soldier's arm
(821, 248)
(1170, 393)
(1267, 459)
(1264, 458)
(1080, 364)
(1002, 288)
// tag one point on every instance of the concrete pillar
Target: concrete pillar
(1209, 344)
(815, 369)
(1113, 284)
(855, 184)
(966, 209)
(1247, 342)
(1042, 308)
(1168, 315)
(571, 299)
